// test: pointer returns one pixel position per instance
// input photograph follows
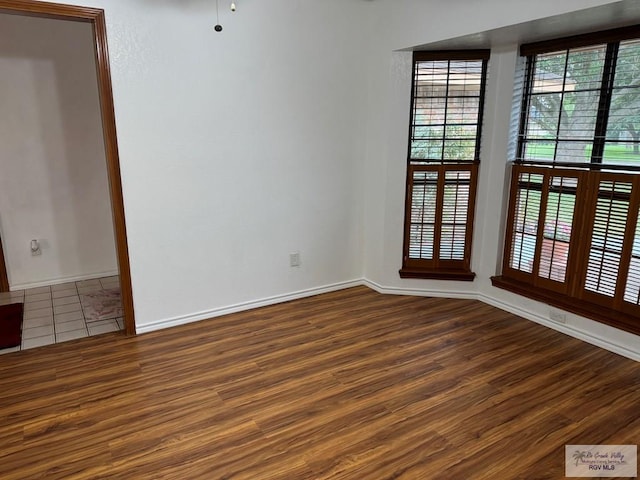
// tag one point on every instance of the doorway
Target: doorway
(96, 18)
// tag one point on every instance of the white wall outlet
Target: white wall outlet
(294, 259)
(558, 316)
(35, 248)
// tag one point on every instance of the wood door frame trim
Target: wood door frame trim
(96, 17)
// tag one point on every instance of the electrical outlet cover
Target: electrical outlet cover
(558, 316)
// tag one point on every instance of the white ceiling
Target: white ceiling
(608, 16)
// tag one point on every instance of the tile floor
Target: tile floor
(54, 314)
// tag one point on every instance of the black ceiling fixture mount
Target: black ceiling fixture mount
(218, 27)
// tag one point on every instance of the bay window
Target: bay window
(573, 237)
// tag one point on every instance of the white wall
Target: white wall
(53, 180)
(413, 23)
(237, 148)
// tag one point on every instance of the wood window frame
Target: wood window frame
(435, 267)
(573, 295)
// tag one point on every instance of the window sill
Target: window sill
(440, 274)
(604, 315)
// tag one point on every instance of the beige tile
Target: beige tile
(94, 329)
(99, 322)
(38, 342)
(70, 292)
(70, 326)
(41, 312)
(30, 306)
(71, 307)
(37, 322)
(85, 290)
(68, 317)
(37, 298)
(37, 332)
(63, 286)
(120, 322)
(37, 291)
(9, 350)
(88, 283)
(66, 301)
(72, 335)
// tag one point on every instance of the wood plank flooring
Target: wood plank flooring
(347, 385)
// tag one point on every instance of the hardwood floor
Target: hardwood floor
(347, 385)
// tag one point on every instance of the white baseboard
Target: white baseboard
(585, 336)
(508, 307)
(566, 329)
(57, 281)
(240, 307)
(416, 292)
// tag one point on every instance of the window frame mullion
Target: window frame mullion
(542, 214)
(437, 227)
(604, 105)
(526, 104)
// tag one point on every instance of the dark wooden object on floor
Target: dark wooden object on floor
(347, 385)
(11, 325)
(4, 279)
